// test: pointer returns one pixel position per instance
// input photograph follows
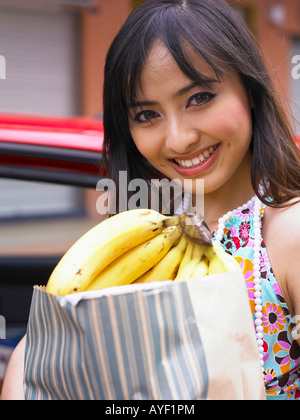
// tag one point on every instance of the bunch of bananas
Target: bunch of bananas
(137, 246)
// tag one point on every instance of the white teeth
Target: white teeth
(196, 161)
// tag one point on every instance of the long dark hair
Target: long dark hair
(215, 31)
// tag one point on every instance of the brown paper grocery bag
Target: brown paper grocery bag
(163, 341)
(228, 336)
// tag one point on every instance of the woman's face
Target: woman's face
(187, 131)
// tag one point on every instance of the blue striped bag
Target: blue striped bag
(159, 341)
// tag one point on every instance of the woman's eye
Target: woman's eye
(200, 98)
(145, 116)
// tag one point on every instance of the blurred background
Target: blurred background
(54, 52)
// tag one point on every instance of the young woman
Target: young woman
(187, 96)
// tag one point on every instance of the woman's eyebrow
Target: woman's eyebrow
(141, 104)
(206, 84)
(180, 92)
(186, 89)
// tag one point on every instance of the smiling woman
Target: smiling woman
(192, 131)
(187, 95)
(158, 35)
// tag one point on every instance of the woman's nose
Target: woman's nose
(181, 136)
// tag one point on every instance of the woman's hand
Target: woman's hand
(13, 386)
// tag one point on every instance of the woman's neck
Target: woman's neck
(219, 202)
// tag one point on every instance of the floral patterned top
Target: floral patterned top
(282, 351)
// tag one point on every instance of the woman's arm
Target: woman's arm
(282, 238)
(292, 262)
(13, 386)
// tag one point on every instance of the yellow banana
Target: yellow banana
(186, 258)
(187, 272)
(167, 267)
(216, 265)
(192, 257)
(201, 269)
(135, 262)
(219, 260)
(103, 244)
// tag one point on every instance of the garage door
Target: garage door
(40, 48)
(40, 52)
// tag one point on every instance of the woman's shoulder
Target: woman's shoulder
(281, 233)
(284, 222)
(13, 386)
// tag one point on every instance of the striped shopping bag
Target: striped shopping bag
(159, 341)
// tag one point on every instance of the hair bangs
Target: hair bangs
(183, 44)
(172, 29)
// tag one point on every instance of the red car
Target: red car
(58, 150)
(65, 151)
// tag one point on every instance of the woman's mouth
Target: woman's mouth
(196, 164)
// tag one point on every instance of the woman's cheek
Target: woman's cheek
(147, 146)
(145, 150)
(231, 117)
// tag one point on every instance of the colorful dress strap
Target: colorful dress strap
(282, 351)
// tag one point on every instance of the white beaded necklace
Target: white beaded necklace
(256, 266)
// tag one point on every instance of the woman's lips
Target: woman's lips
(196, 169)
